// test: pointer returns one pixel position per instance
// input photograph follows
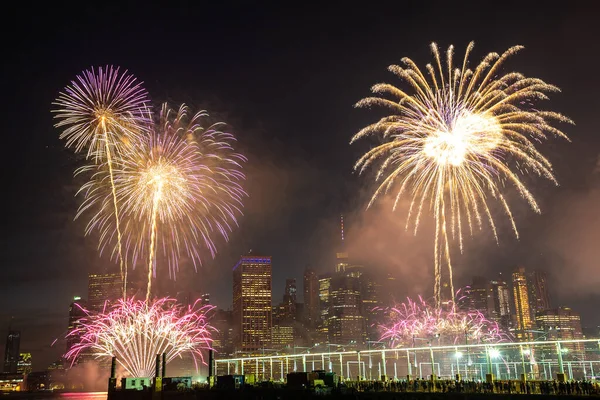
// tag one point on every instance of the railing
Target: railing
(541, 360)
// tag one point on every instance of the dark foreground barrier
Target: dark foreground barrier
(252, 393)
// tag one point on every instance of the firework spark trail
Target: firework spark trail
(419, 319)
(176, 189)
(103, 111)
(456, 141)
(135, 331)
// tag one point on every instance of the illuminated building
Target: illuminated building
(371, 308)
(311, 297)
(24, 364)
(282, 336)
(346, 323)
(76, 313)
(11, 351)
(499, 305)
(284, 317)
(103, 288)
(11, 382)
(522, 306)
(561, 323)
(324, 287)
(222, 343)
(478, 294)
(289, 299)
(252, 293)
(539, 298)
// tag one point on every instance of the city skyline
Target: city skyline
(300, 164)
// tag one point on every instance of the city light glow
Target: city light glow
(455, 142)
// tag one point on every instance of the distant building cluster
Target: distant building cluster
(341, 308)
(523, 308)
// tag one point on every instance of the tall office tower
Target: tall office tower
(346, 323)
(76, 313)
(539, 298)
(252, 294)
(499, 306)
(324, 304)
(289, 298)
(478, 294)
(311, 297)
(222, 321)
(11, 352)
(370, 293)
(103, 288)
(524, 321)
(561, 323)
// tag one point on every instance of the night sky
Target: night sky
(286, 80)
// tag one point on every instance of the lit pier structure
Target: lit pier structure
(534, 360)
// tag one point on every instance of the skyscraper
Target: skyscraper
(370, 293)
(324, 304)
(252, 294)
(103, 288)
(539, 298)
(522, 306)
(11, 352)
(561, 323)
(478, 294)
(499, 305)
(346, 322)
(311, 297)
(76, 313)
(222, 320)
(289, 298)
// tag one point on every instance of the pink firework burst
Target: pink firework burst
(135, 331)
(421, 320)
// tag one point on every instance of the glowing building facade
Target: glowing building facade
(523, 315)
(346, 322)
(103, 288)
(499, 305)
(282, 336)
(561, 323)
(324, 303)
(24, 364)
(252, 297)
